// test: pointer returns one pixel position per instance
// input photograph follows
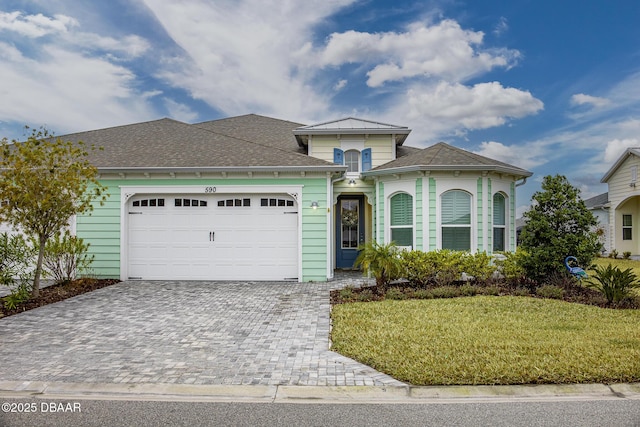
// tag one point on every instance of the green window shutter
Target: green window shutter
(456, 208)
(499, 209)
(401, 209)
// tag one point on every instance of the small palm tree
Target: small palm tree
(614, 283)
(381, 260)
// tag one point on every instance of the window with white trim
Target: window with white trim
(627, 227)
(352, 160)
(499, 222)
(456, 220)
(401, 222)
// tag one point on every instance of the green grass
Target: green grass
(490, 340)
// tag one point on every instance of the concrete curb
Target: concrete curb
(316, 394)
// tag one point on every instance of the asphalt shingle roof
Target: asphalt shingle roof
(168, 143)
(442, 156)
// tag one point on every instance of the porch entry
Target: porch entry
(350, 231)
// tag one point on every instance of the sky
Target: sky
(549, 86)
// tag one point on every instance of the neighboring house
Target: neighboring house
(599, 206)
(624, 203)
(256, 198)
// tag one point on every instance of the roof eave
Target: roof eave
(520, 173)
(303, 134)
(617, 164)
(227, 169)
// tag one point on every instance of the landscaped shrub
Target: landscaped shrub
(478, 265)
(449, 265)
(492, 290)
(446, 292)
(626, 255)
(615, 284)
(510, 264)
(613, 254)
(17, 258)
(550, 291)
(381, 260)
(468, 290)
(423, 294)
(420, 268)
(65, 256)
(346, 293)
(365, 295)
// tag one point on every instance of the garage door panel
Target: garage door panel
(214, 238)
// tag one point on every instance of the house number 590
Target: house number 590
(209, 189)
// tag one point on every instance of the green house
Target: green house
(257, 198)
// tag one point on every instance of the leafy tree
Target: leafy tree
(558, 225)
(45, 181)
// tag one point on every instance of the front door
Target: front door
(349, 230)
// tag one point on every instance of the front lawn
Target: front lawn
(490, 340)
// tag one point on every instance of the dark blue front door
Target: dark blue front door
(349, 229)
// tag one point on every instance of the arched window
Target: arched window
(352, 160)
(401, 223)
(456, 220)
(499, 222)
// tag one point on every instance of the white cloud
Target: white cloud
(616, 147)
(526, 157)
(447, 107)
(582, 99)
(180, 111)
(92, 93)
(35, 26)
(440, 51)
(501, 27)
(341, 84)
(250, 55)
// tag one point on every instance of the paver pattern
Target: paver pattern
(269, 333)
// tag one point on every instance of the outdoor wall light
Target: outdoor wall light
(352, 182)
(314, 205)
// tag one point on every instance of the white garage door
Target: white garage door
(213, 237)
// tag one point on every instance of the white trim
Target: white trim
(126, 192)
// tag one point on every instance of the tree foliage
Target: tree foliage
(45, 181)
(558, 225)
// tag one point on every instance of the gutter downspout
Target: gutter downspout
(524, 181)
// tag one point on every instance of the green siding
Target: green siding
(432, 214)
(380, 198)
(101, 229)
(419, 218)
(489, 217)
(480, 201)
(512, 217)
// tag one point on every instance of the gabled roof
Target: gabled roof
(351, 126)
(633, 151)
(597, 202)
(170, 144)
(442, 156)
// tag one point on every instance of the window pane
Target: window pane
(402, 209)
(456, 207)
(498, 239)
(350, 219)
(626, 234)
(626, 221)
(456, 238)
(402, 236)
(352, 160)
(499, 209)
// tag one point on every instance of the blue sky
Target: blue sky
(550, 86)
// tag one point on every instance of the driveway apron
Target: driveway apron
(269, 333)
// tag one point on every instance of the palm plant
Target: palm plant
(381, 260)
(614, 283)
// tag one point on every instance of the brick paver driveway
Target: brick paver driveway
(183, 333)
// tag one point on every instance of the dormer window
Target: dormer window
(355, 160)
(352, 160)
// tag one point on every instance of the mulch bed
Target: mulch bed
(59, 292)
(572, 292)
